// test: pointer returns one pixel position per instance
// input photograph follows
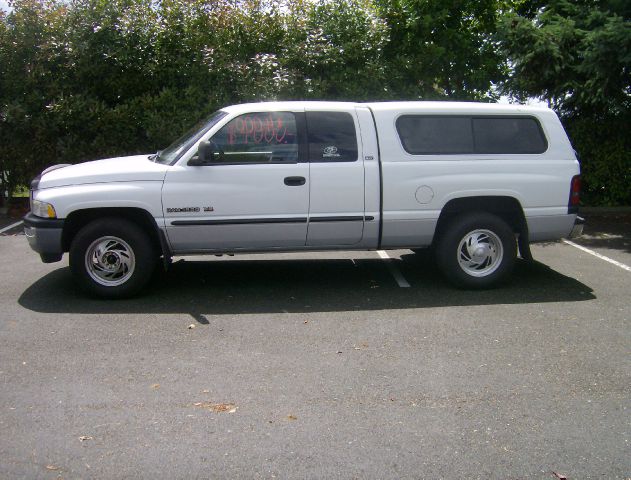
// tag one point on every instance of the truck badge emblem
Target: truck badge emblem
(182, 209)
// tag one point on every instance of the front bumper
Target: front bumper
(577, 230)
(44, 235)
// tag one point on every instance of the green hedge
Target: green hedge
(604, 147)
(87, 79)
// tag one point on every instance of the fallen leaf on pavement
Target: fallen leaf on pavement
(83, 438)
(292, 417)
(559, 476)
(155, 386)
(217, 407)
(52, 467)
(191, 326)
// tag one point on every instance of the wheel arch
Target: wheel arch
(507, 208)
(77, 219)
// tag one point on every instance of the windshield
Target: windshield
(169, 155)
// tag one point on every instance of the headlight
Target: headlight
(43, 209)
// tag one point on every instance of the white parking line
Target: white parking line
(598, 255)
(403, 283)
(6, 229)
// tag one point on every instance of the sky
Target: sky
(4, 5)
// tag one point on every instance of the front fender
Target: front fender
(146, 195)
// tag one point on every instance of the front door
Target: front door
(254, 196)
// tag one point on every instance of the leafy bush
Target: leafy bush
(86, 79)
(604, 147)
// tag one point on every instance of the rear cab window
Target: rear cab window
(467, 134)
(331, 137)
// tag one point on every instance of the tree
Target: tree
(86, 79)
(574, 54)
(336, 50)
(27, 56)
(443, 48)
(577, 56)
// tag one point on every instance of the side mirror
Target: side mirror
(204, 155)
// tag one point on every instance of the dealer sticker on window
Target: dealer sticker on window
(330, 151)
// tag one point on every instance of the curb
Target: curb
(603, 210)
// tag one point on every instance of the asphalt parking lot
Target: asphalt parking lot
(321, 365)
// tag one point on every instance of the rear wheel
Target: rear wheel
(112, 258)
(476, 250)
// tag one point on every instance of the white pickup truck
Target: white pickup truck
(473, 181)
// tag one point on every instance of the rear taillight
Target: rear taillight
(575, 194)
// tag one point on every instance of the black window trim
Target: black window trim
(471, 117)
(267, 220)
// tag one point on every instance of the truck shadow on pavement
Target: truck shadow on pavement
(237, 286)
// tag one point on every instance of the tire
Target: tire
(112, 258)
(476, 250)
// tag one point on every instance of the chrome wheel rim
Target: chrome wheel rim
(110, 261)
(480, 253)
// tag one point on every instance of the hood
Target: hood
(120, 169)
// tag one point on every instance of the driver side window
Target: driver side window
(260, 137)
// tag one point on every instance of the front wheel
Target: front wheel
(112, 258)
(476, 250)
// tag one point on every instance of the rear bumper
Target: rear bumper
(44, 235)
(577, 230)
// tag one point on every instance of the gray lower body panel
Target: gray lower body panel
(230, 237)
(339, 233)
(577, 230)
(550, 227)
(45, 241)
(408, 233)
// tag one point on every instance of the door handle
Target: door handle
(295, 181)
